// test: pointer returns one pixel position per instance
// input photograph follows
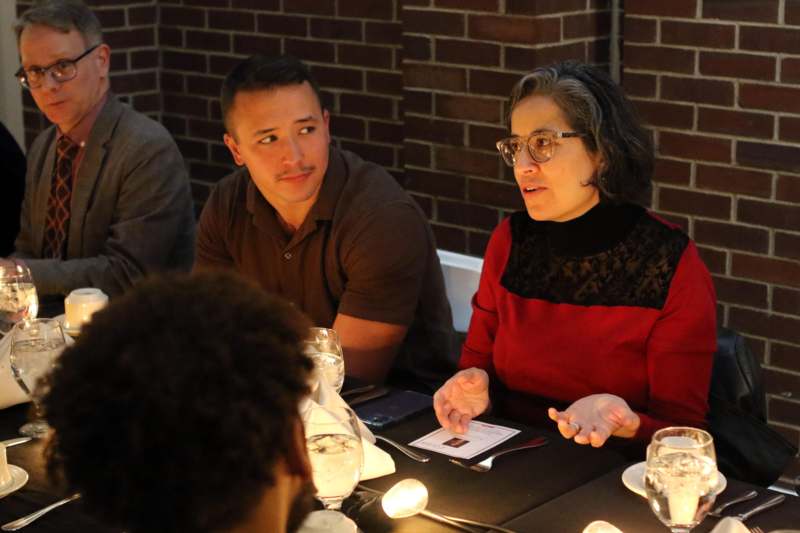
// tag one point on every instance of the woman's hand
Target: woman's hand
(462, 397)
(594, 418)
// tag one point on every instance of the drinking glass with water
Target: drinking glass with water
(18, 299)
(324, 348)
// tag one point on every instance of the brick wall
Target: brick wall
(719, 84)
(420, 86)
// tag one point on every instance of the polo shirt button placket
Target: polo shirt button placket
(287, 255)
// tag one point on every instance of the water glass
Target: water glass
(324, 348)
(35, 346)
(18, 299)
(334, 447)
(681, 476)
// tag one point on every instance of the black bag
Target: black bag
(747, 448)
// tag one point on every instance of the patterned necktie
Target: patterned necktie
(58, 204)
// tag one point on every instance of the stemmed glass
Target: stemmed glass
(323, 346)
(334, 447)
(18, 299)
(681, 476)
(35, 346)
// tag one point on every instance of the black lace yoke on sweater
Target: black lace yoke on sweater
(613, 255)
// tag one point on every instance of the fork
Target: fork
(486, 464)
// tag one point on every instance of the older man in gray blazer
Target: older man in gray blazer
(107, 197)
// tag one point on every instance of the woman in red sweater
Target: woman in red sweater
(588, 304)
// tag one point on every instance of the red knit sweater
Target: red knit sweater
(616, 302)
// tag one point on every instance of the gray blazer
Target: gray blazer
(132, 211)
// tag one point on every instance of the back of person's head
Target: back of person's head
(593, 104)
(65, 16)
(263, 73)
(176, 403)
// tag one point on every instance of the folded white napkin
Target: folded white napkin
(10, 391)
(377, 462)
(730, 525)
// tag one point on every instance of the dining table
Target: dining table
(560, 487)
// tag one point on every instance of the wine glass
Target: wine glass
(681, 476)
(18, 299)
(323, 346)
(334, 447)
(35, 346)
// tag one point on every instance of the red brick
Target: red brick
(208, 40)
(697, 90)
(383, 32)
(172, 82)
(734, 180)
(477, 241)
(760, 155)
(701, 35)
(170, 37)
(193, 149)
(763, 324)
(435, 77)
(786, 301)
(417, 102)
(659, 58)
(364, 55)
(694, 147)
(598, 53)
(467, 162)
(366, 10)
(134, 82)
(767, 269)
(788, 189)
(266, 5)
(636, 84)
(386, 132)
(526, 58)
(492, 83)
(639, 30)
(495, 193)
(787, 245)
(437, 131)
(141, 59)
(418, 48)
(737, 123)
(142, 15)
(311, 50)
(350, 127)
(207, 173)
(792, 13)
(183, 16)
(675, 8)
(468, 108)
(206, 129)
(345, 30)
(671, 171)
(131, 38)
(585, 25)
(450, 238)
(740, 292)
(385, 83)
(343, 78)
(386, 156)
(543, 7)
(732, 236)
(715, 260)
(110, 18)
(772, 214)
(666, 115)
(436, 183)
(785, 356)
(367, 105)
(750, 66)
(433, 22)
(183, 61)
(694, 203)
(790, 129)
(782, 383)
(485, 137)
(231, 20)
(467, 52)
(514, 30)
(466, 215)
(746, 10)
(783, 411)
(203, 85)
(417, 154)
(425, 203)
(766, 39)
(255, 44)
(770, 97)
(311, 7)
(283, 25)
(469, 5)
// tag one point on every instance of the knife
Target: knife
(749, 495)
(377, 392)
(13, 442)
(769, 504)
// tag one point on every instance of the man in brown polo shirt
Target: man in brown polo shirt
(331, 232)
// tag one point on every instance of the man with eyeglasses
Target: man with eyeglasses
(107, 197)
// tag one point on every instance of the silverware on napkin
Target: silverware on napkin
(419, 457)
(749, 495)
(769, 504)
(25, 520)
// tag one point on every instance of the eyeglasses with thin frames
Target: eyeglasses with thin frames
(61, 71)
(541, 145)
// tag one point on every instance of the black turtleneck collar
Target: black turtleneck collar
(597, 230)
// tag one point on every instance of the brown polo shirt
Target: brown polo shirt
(365, 250)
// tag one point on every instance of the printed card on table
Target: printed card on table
(479, 437)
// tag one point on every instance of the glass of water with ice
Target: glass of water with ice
(18, 299)
(681, 476)
(324, 348)
(35, 346)
(334, 449)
